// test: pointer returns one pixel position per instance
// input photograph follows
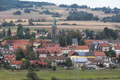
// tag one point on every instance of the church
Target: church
(54, 31)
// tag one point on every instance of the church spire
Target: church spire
(54, 22)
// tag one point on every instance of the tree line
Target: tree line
(8, 4)
(73, 6)
(81, 16)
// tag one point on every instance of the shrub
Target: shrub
(54, 68)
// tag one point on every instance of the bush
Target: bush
(26, 10)
(101, 65)
(54, 68)
(17, 13)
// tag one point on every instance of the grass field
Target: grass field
(61, 74)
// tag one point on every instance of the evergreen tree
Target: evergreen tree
(20, 54)
(9, 32)
(62, 41)
(82, 42)
(20, 28)
(4, 33)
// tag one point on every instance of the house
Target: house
(94, 45)
(65, 50)
(81, 55)
(56, 59)
(16, 43)
(6, 51)
(37, 42)
(13, 34)
(37, 35)
(37, 63)
(44, 45)
(74, 42)
(79, 48)
(78, 62)
(103, 47)
(8, 58)
(117, 50)
(116, 43)
(83, 35)
(16, 64)
(99, 55)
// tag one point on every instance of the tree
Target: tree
(27, 64)
(4, 33)
(26, 11)
(23, 60)
(68, 62)
(62, 41)
(6, 46)
(20, 54)
(101, 65)
(30, 22)
(32, 75)
(20, 28)
(54, 68)
(12, 68)
(17, 13)
(9, 32)
(76, 34)
(32, 39)
(82, 42)
(31, 56)
(69, 40)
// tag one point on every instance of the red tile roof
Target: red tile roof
(9, 57)
(98, 53)
(32, 62)
(44, 63)
(117, 55)
(37, 41)
(79, 47)
(117, 47)
(16, 42)
(88, 42)
(44, 45)
(95, 61)
(16, 62)
(104, 45)
(71, 53)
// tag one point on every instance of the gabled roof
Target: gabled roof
(53, 58)
(71, 53)
(104, 45)
(93, 60)
(16, 62)
(117, 47)
(79, 47)
(98, 53)
(9, 57)
(32, 62)
(16, 42)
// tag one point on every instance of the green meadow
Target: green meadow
(61, 74)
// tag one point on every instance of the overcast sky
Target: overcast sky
(91, 3)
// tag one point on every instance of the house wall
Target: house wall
(82, 57)
(105, 48)
(65, 51)
(79, 50)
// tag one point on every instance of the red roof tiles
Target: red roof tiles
(98, 53)
(16, 62)
(104, 45)
(9, 58)
(117, 47)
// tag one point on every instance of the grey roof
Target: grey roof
(103, 41)
(74, 40)
(43, 33)
(116, 41)
(6, 52)
(80, 59)
(89, 54)
(81, 53)
(94, 42)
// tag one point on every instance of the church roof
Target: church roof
(54, 22)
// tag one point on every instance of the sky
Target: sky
(90, 3)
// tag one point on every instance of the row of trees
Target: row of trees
(114, 18)
(107, 34)
(5, 24)
(73, 6)
(81, 16)
(107, 10)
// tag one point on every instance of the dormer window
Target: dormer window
(7, 51)
(6, 57)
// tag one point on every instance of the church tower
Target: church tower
(54, 31)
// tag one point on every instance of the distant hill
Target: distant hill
(8, 4)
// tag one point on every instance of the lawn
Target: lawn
(61, 74)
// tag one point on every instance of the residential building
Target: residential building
(8, 58)
(117, 50)
(103, 47)
(16, 64)
(79, 48)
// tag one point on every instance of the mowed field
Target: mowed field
(61, 74)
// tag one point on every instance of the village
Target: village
(92, 55)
